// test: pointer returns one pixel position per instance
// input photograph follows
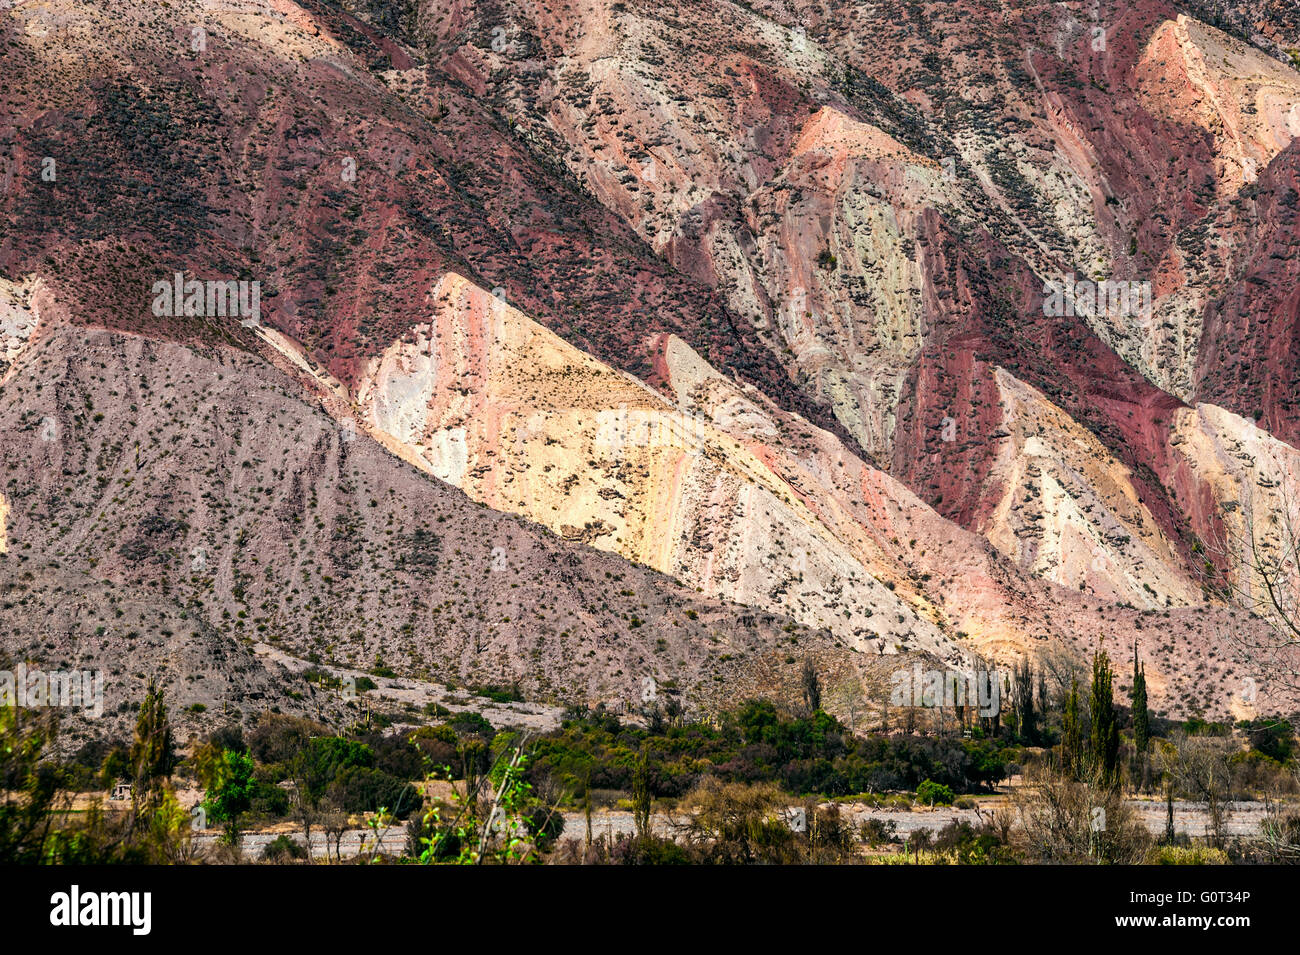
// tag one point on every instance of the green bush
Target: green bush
(268, 799)
(471, 724)
(987, 844)
(649, 850)
(930, 793)
(499, 694)
(1186, 855)
(283, 849)
(875, 832)
(361, 789)
(1275, 738)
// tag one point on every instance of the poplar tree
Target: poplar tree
(1141, 716)
(1103, 749)
(1071, 733)
(1026, 718)
(153, 754)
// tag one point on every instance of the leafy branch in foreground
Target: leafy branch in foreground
(506, 829)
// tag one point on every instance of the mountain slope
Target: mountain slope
(754, 296)
(201, 479)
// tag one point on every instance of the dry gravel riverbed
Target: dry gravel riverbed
(1189, 819)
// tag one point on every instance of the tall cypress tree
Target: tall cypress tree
(153, 754)
(642, 796)
(1026, 718)
(1141, 720)
(1141, 717)
(812, 686)
(1103, 748)
(1071, 733)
